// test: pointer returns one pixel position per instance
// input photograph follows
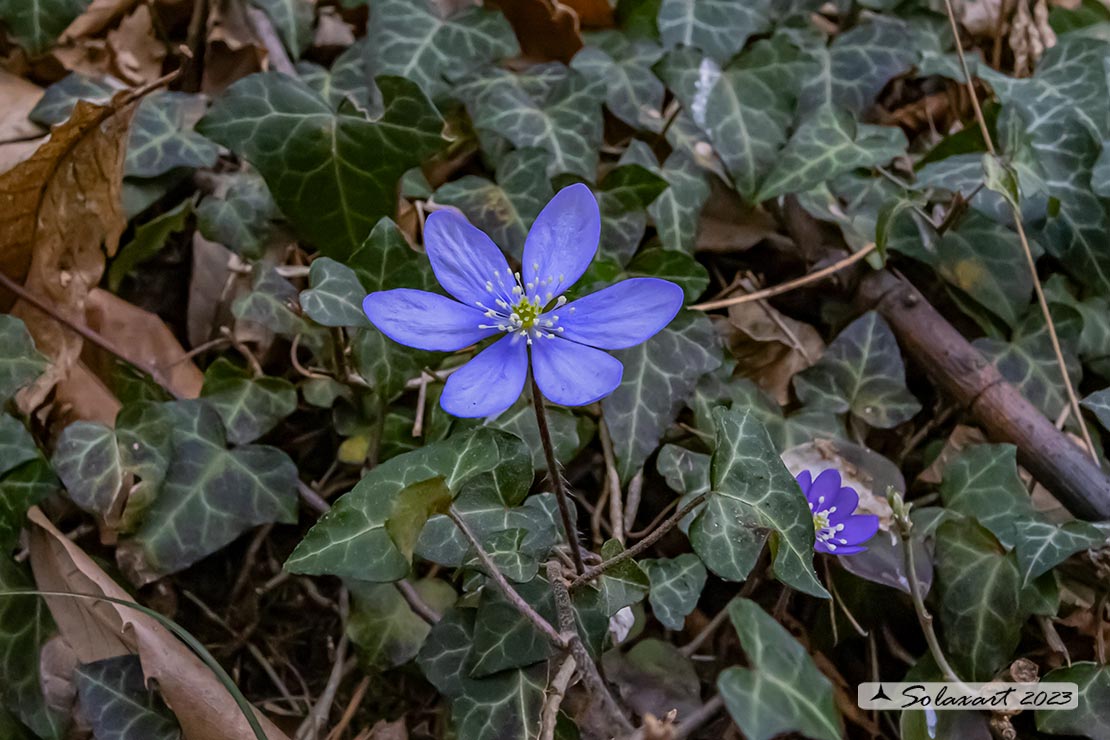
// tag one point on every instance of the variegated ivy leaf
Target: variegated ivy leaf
(677, 210)
(506, 551)
(114, 699)
(719, 28)
(625, 583)
(20, 363)
(1028, 360)
(982, 482)
(211, 494)
(1041, 545)
(686, 471)
(58, 100)
(335, 295)
(35, 24)
(1094, 335)
(293, 21)
(507, 704)
(781, 691)
(345, 80)
(384, 627)
(87, 459)
(861, 372)
(753, 497)
(352, 540)
(1092, 718)
(550, 107)
(333, 174)
(564, 427)
(1098, 403)
(654, 676)
(248, 406)
(410, 38)
(17, 446)
(676, 585)
(677, 267)
(487, 515)
(271, 303)
(504, 209)
(978, 587)
(858, 64)
(162, 138)
(385, 260)
(633, 94)
(20, 489)
(658, 377)
(827, 143)
(623, 197)
(240, 214)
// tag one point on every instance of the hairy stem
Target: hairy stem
(923, 615)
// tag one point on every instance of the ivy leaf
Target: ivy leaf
(248, 406)
(162, 138)
(520, 420)
(488, 515)
(676, 585)
(20, 362)
(753, 497)
(632, 93)
(410, 38)
(17, 446)
(677, 210)
(782, 691)
(625, 583)
(21, 489)
(977, 585)
(335, 295)
(658, 377)
(1091, 719)
(114, 698)
(25, 626)
(861, 372)
(684, 470)
(148, 241)
(87, 459)
(826, 144)
(346, 80)
(293, 21)
(503, 637)
(271, 304)
(1098, 403)
(982, 482)
(506, 551)
(551, 107)
(385, 364)
(1041, 546)
(859, 63)
(677, 267)
(211, 494)
(654, 676)
(35, 24)
(720, 28)
(383, 626)
(242, 217)
(506, 209)
(623, 197)
(333, 174)
(385, 260)
(352, 541)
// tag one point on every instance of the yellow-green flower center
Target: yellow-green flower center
(526, 312)
(820, 520)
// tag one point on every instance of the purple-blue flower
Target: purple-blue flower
(565, 341)
(839, 530)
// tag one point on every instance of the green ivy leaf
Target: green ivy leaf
(241, 217)
(826, 144)
(333, 174)
(410, 38)
(520, 420)
(1091, 719)
(114, 698)
(162, 138)
(148, 241)
(754, 497)
(977, 585)
(982, 482)
(861, 372)
(17, 446)
(632, 93)
(678, 267)
(385, 260)
(35, 24)
(345, 81)
(271, 304)
(684, 470)
(677, 210)
(335, 295)
(625, 583)
(654, 676)
(550, 107)
(351, 540)
(658, 377)
(676, 585)
(20, 362)
(859, 63)
(506, 550)
(623, 197)
(21, 489)
(383, 626)
(1041, 546)
(385, 364)
(87, 459)
(720, 28)
(293, 21)
(781, 691)
(503, 637)
(1098, 403)
(506, 209)
(248, 406)
(211, 494)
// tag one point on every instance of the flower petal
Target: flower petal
(858, 529)
(821, 493)
(573, 374)
(622, 315)
(425, 320)
(562, 241)
(490, 383)
(464, 259)
(845, 500)
(805, 480)
(848, 550)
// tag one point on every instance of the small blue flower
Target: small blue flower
(839, 530)
(565, 339)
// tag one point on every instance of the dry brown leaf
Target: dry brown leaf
(82, 396)
(98, 630)
(332, 32)
(17, 98)
(90, 57)
(546, 29)
(592, 13)
(383, 730)
(233, 51)
(962, 436)
(137, 53)
(211, 290)
(769, 347)
(97, 16)
(60, 213)
(1030, 35)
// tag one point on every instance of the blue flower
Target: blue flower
(564, 341)
(839, 530)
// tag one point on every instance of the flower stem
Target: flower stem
(553, 473)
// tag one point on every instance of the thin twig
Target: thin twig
(789, 285)
(416, 602)
(556, 690)
(312, 499)
(349, 712)
(612, 483)
(1031, 263)
(510, 593)
(267, 34)
(318, 715)
(698, 717)
(639, 547)
(632, 501)
(88, 334)
(923, 616)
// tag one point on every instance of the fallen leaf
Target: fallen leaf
(60, 213)
(136, 51)
(98, 630)
(17, 98)
(546, 29)
(961, 437)
(592, 13)
(233, 52)
(97, 16)
(82, 396)
(384, 730)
